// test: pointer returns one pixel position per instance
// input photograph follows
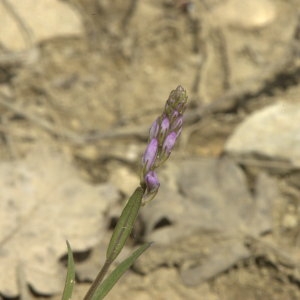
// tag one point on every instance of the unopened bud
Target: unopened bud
(152, 182)
(164, 128)
(154, 130)
(177, 123)
(169, 143)
(150, 154)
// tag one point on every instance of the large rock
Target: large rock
(43, 203)
(273, 133)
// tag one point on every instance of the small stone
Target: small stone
(290, 221)
(247, 14)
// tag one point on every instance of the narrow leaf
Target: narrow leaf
(115, 275)
(124, 225)
(70, 278)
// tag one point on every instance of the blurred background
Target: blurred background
(81, 81)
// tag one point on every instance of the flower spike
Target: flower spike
(163, 135)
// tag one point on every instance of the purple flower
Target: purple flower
(169, 143)
(150, 154)
(163, 134)
(152, 182)
(177, 123)
(154, 129)
(174, 115)
(165, 124)
(164, 128)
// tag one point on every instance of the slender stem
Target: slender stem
(97, 281)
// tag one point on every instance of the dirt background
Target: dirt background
(92, 96)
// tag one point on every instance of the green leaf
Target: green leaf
(70, 279)
(124, 225)
(115, 275)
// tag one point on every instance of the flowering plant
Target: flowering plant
(163, 135)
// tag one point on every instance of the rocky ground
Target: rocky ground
(80, 83)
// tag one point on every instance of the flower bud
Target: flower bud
(152, 185)
(152, 182)
(169, 143)
(154, 129)
(177, 123)
(164, 128)
(150, 154)
(174, 115)
(176, 101)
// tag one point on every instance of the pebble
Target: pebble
(246, 14)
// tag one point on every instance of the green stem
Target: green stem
(97, 281)
(121, 233)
